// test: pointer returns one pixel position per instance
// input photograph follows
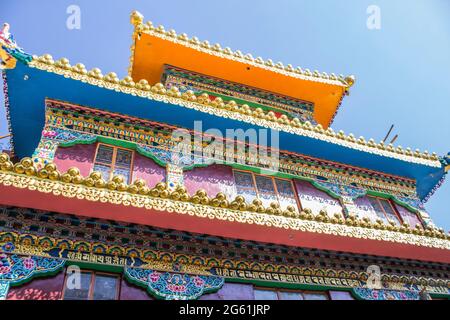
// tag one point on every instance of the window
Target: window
(411, 218)
(93, 286)
(270, 294)
(384, 209)
(111, 161)
(267, 189)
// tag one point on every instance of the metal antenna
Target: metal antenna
(393, 139)
(389, 132)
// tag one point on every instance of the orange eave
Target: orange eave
(152, 52)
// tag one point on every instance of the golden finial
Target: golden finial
(136, 18)
(350, 80)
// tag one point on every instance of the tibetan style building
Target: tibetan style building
(92, 183)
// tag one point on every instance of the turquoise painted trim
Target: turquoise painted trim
(155, 295)
(48, 274)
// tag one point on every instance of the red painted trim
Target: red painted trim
(31, 199)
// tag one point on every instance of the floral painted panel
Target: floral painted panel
(213, 179)
(146, 169)
(80, 156)
(312, 198)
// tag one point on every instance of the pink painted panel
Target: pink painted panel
(147, 169)
(213, 179)
(131, 292)
(39, 289)
(80, 156)
(408, 216)
(315, 199)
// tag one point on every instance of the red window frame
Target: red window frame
(297, 199)
(394, 209)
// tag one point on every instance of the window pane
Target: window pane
(104, 154)
(266, 190)
(104, 169)
(378, 210)
(105, 287)
(286, 193)
(123, 172)
(341, 295)
(265, 295)
(123, 158)
(408, 216)
(315, 296)
(286, 295)
(244, 185)
(389, 210)
(72, 292)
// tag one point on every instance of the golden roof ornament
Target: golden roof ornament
(136, 18)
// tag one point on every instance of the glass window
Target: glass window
(267, 189)
(112, 161)
(286, 193)
(409, 217)
(384, 209)
(105, 154)
(378, 209)
(93, 286)
(103, 169)
(287, 295)
(265, 295)
(341, 295)
(105, 287)
(388, 210)
(123, 158)
(73, 291)
(315, 296)
(244, 185)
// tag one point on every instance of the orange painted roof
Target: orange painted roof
(153, 48)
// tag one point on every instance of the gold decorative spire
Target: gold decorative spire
(136, 18)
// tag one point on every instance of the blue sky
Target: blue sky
(402, 69)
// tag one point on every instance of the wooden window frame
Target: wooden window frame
(272, 178)
(419, 218)
(394, 209)
(92, 283)
(112, 165)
